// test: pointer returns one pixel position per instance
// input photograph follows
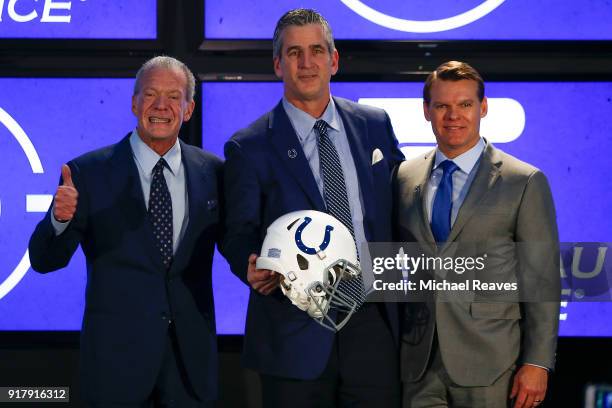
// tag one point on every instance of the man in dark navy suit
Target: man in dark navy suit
(274, 167)
(145, 211)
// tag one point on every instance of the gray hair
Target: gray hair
(165, 62)
(300, 17)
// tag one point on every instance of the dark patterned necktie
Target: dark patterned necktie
(336, 200)
(160, 213)
(443, 203)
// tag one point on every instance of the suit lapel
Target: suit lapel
(289, 150)
(126, 187)
(422, 176)
(357, 135)
(196, 193)
(486, 176)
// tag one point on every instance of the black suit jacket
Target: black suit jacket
(130, 297)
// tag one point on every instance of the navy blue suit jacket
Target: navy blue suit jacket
(262, 183)
(129, 295)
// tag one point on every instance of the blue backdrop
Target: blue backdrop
(421, 19)
(46, 122)
(79, 19)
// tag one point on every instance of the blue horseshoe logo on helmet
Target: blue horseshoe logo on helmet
(306, 249)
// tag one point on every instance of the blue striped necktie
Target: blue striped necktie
(336, 199)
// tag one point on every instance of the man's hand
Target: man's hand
(66, 197)
(262, 280)
(529, 386)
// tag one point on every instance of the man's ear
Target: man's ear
(426, 111)
(335, 63)
(189, 111)
(484, 107)
(277, 68)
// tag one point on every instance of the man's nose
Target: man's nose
(305, 60)
(161, 102)
(452, 113)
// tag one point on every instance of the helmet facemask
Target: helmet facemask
(329, 296)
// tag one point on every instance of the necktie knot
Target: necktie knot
(448, 167)
(321, 127)
(159, 166)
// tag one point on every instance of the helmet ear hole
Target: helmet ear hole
(302, 262)
(292, 224)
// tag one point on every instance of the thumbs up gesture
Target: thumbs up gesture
(66, 197)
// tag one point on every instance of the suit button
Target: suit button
(164, 316)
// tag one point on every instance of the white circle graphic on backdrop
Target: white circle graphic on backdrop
(417, 26)
(28, 149)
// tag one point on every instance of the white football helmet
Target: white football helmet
(314, 252)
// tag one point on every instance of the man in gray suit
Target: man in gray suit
(479, 352)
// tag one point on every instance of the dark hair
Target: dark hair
(300, 17)
(453, 71)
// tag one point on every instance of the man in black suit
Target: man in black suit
(145, 211)
(273, 167)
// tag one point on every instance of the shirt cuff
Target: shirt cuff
(58, 226)
(535, 365)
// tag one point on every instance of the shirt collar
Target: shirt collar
(303, 123)
(148, 158)
(465, 161)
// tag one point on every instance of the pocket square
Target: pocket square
(376, 156)
(211, 205)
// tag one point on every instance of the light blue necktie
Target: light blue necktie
(443, 203)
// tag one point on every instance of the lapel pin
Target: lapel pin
(292, 153)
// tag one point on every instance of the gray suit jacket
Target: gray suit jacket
(480, 338)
